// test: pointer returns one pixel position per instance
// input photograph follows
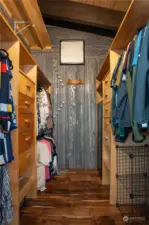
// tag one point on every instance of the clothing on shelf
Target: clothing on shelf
(50, 153)
(7, 124)
(47, 158)
(43, 160)
(130, 84)
(46, 162)
(44, 113)
(53, 168)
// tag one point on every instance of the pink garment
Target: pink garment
(47, 173)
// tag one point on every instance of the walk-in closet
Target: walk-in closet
(74, 112)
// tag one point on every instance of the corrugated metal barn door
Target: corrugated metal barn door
(74, 105)
(74, 110)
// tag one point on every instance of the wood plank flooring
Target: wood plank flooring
(73, 198)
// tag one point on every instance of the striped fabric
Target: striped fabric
(5, 107)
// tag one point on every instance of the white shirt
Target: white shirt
(43, 159)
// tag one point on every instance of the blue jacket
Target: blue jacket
(141, 92)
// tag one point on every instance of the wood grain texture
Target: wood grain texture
(119, 5)
(25, 141)
(84, 202)
(26, 86)
(5, 32)
(81, 13)
(75, 125)
(26, 104)
(25, 160)
(26, 122)
(135, 18)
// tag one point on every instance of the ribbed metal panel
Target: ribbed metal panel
(75, 123)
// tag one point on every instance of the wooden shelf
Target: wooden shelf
(42, 79)
(26, 76)
(25, 56)
(28, 10)
(6, 32)
(105, 68)
(99, 89)
(136, 17)
(24, 187)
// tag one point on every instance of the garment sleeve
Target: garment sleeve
(44, 155)
(13, 121)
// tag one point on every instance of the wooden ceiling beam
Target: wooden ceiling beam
(81, 13)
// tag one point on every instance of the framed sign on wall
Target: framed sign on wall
(72, 52)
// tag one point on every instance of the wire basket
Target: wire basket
(133, 183)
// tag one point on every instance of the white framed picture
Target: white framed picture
(72, 52)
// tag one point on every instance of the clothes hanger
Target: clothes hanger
(39, 88)
(5, 55)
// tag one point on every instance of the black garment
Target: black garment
(114, 75)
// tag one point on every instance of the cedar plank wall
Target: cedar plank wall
(75, 126)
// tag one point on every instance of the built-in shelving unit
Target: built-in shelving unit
(26, 75)
(136, 17)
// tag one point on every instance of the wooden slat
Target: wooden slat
(81, 13)
(101, 3)
(110, 4)
(91, 2)
(119, 5)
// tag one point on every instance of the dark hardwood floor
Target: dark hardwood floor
(74, 198)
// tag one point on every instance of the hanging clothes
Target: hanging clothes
(141, 92)
(46, 168)
(43, 160)
(120, 108)
(50, 152)
(7, 112)
(44, 113)
(54, 164)
(6, 210)
(7, 124)
(133, 52)
(130, 105)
